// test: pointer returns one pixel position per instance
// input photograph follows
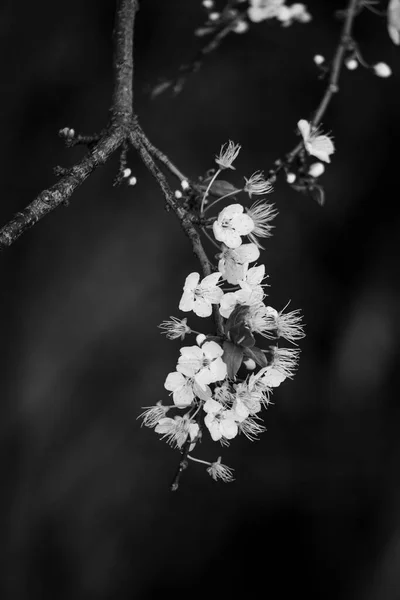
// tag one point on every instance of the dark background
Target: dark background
(86, 510)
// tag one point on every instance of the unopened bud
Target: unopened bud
(214, 16)
(208, 3)
(351, 64)
(126, 172)
(132, 180)
(185, 184)
(382, 70)
(290, 177)
(316, 169)
(249, 364)
(319, 59)
(200, 339)
(178, 194)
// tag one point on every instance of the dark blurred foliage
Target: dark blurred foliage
(86, 510)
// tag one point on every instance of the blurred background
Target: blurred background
(86, 510)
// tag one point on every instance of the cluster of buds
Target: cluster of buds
(255, 11)
(222, 382)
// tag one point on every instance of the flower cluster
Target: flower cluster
(261, 10)
(223, 381)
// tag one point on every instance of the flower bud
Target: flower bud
(290, 177)
(208, 3)
(200, 339)
(351, 64)
(185, 184)
(132, 180)
(319, 59)
(178, 194)
(214, 16)
(249, 364)
(382, 69)
(316, 169)
(126, 172)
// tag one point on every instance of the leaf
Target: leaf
(236, 317)
(318, 194)
(393, 16)
(257, 355)
(241, 335)
(232, 357)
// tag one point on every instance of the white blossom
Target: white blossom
(219, 471)
(234, 263)
(204, 364)
(231, 224)
(153, 414)
(316, 144)
(199, 297)
(257, 185)
(176, 328)
(177, 430)
(181, 388)
(220, 422)
(227, 155)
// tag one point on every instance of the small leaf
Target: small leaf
(232, 357)
(318, 194)
(241, 335)
(394, 21)
(257, 355)
(236, 317)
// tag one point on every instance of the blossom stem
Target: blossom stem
(203, 462)
(208, 189)
(210, 238)
(219, 200)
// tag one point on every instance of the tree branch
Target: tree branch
(113, 136)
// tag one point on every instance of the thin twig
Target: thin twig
(332, 87)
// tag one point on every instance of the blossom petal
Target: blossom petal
(212, 350)
(183, 396)
(210, 281)
(173, 381)
(229, 428)
(248, 253)
(186, 302)
(212, 406)
(218, 370)
(273, 377)
(243, 224)
(191, 281)
(202, 307)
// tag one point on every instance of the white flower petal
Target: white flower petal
(201, 307)
(243, 224)
(230, 211)
(218, 370)
(210, 281)
(248, 253)
(173, 381)
(186, 302)
(229, 428)
(183, 396)
(212, 350)
(191, 281)
(212, 407)
(305, 128)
